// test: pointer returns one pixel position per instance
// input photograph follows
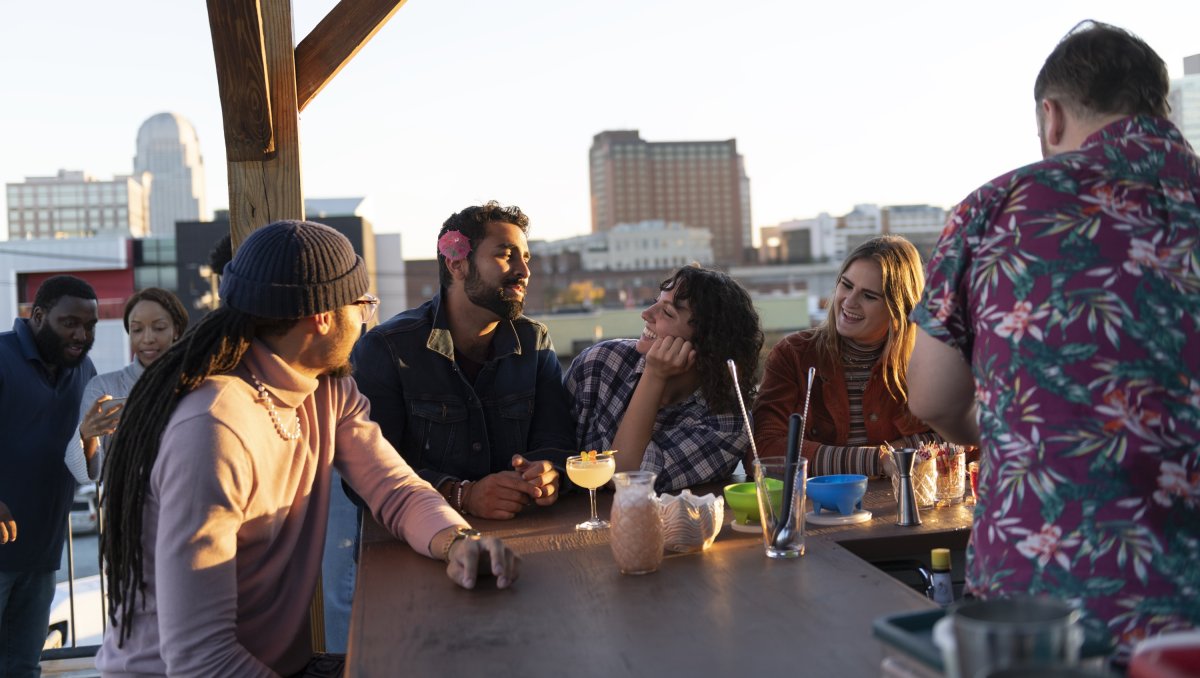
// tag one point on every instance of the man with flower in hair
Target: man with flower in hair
(1059, 329)
(466, 388)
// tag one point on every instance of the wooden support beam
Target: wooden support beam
(335, 41)
(258, 73)
(266, 187)
(242, 78)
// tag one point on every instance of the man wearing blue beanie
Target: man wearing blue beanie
(218, 485)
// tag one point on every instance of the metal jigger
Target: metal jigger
(907, 498)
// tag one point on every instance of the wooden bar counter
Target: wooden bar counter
(727, 611)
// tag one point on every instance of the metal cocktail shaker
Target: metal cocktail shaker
(906, 498)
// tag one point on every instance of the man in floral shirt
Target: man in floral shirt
(1060, 328)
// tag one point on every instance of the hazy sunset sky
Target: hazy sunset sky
(456, 102)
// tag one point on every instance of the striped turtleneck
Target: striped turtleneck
(857, 361)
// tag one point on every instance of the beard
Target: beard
(346, 333)
(52, 348)
(343, 370)
(492, 298)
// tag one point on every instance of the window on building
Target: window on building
(155, 276)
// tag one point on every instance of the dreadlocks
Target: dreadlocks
(214, 346)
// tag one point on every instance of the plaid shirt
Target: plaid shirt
(689, 445)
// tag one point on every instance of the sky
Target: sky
(455, 102)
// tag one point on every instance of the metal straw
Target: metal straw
(737, 388)
(795, 449)
(812, 374)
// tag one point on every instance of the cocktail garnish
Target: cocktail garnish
(589, 456)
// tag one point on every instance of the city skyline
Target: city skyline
(458, 102)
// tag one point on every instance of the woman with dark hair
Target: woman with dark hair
(859, 398)
(154, 319)
(666, 401)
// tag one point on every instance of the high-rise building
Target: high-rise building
(1185, 101)
(748, 253)
(700, 184)
(168, 148)
(75, 204)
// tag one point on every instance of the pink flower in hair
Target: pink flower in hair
(454, 246)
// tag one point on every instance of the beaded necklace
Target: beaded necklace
(857, 354)
(266, 399)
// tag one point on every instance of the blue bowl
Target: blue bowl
(841, 493)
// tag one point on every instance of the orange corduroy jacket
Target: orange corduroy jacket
(782, 393)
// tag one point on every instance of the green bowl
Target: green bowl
(743, 500)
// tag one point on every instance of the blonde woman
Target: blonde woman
(859, 397)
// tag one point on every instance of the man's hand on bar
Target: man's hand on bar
(469, 558)
(541, 475)
(499, 496)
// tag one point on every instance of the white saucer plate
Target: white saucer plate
(747, 527)
(823, 518)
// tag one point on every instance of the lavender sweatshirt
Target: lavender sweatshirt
(235, 521)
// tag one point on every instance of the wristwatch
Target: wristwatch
(459, 534)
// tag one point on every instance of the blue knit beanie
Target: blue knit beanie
(293, 269)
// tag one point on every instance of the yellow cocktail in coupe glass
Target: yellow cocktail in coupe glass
(591, 470)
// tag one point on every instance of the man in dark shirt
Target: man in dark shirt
(465, 387)
(43, 369)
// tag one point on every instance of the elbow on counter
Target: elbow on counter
(956, 421)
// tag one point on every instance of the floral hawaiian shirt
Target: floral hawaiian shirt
(1072, 287)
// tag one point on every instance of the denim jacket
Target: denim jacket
(444, 427)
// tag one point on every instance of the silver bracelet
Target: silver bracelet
(460, 491)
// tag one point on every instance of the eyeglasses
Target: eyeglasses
(367, 306)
